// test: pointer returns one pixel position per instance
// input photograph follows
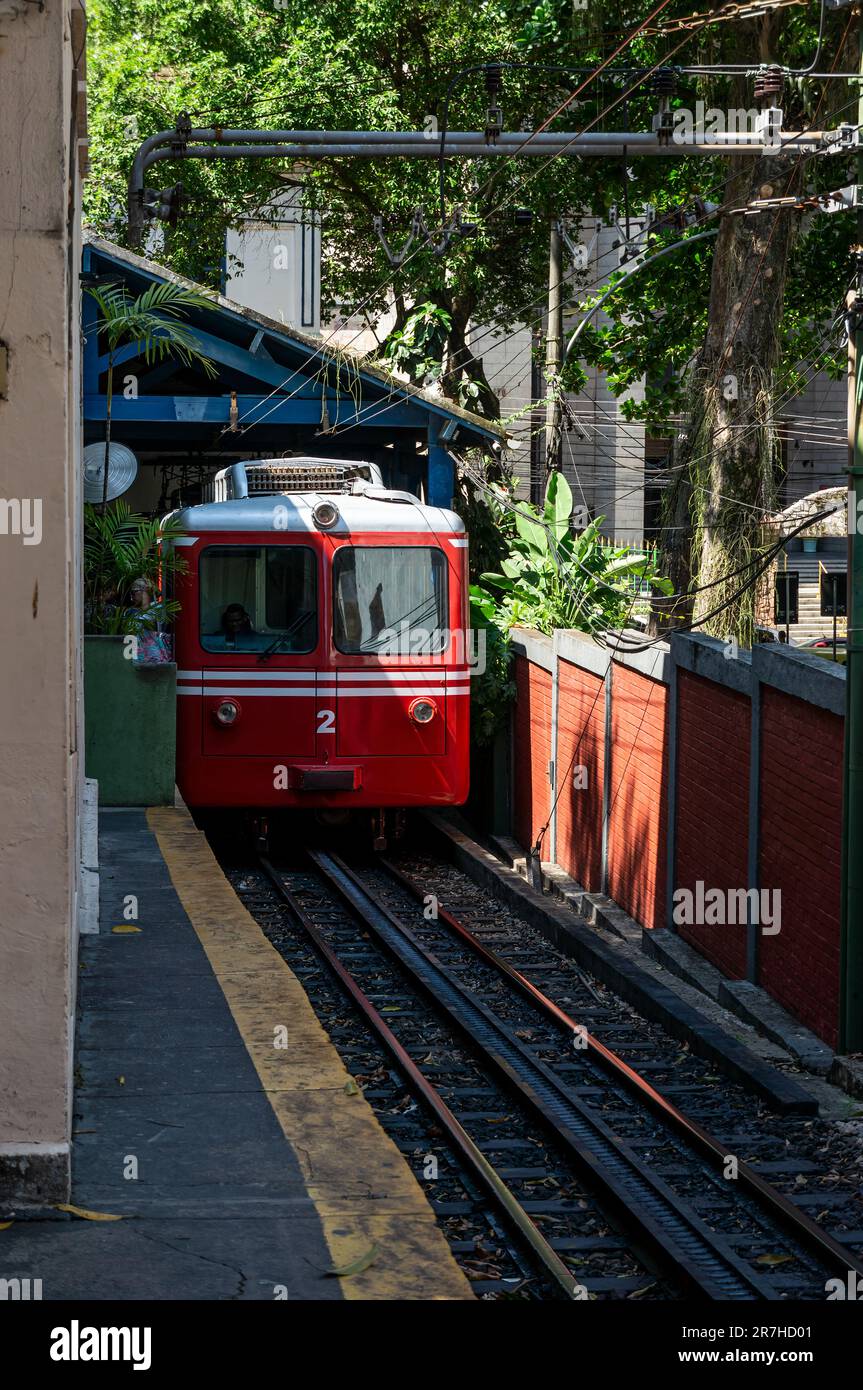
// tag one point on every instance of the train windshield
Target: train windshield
(259, 598)
(390, 600)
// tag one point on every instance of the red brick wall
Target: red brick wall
(531, 751)
(637, 818)
(801, 820)
(800, 799)
(581, 716)
(713, 806)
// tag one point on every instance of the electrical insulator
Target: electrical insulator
(768, 86)
(165, 204)
(494, 114)
(182, 131)
(493, 79)
(664, 82)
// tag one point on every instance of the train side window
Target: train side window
(258, 598)
(390, 600)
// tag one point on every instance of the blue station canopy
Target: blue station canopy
(276, 390)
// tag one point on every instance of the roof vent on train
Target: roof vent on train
(269, 476)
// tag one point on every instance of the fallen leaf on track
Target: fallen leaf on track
(84, 1214)
(356, 1266)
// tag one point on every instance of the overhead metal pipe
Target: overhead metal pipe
(237, 143)
(227, 136)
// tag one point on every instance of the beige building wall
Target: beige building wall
(41, 768)
(815, 433)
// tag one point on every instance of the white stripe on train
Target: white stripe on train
(310, 692)
(380, 677)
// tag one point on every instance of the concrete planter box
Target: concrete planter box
(130, 725)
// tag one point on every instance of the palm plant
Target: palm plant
(555, 578)
(152, 322)
(121, 546)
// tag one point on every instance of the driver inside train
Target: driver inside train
(257, 598)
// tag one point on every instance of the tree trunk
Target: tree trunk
(724, 468)
(460, 361)
(724, 465)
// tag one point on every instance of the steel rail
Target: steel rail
(663, 1224)
(781, 1207)
(470, 1154)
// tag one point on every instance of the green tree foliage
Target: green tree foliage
(550, 577)
(385, 64)
(554, 577)
(357, 64)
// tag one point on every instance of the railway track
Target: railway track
(682, 1209)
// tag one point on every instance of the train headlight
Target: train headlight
(227, 711)
(326, 514)
(422, 711)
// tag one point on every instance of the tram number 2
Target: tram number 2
(326, 721)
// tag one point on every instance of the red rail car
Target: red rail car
(321, 643)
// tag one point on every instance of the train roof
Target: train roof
(279, 495)
(398, 511)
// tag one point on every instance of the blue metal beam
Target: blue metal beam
(89, 321)
(294, 410)
(227, 354)
(441, 483)
(122, 354)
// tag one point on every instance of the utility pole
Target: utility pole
(553, 348)
(851, 959)
(537, 431)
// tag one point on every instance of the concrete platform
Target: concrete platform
(238, 1170)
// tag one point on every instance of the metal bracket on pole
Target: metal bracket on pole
(579, 252)
(664, 85)
(183, 130)
(420, 228)
(842, 139)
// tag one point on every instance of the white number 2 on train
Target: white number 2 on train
(326, 721)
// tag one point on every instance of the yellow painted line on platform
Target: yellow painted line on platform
(364, 1193)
